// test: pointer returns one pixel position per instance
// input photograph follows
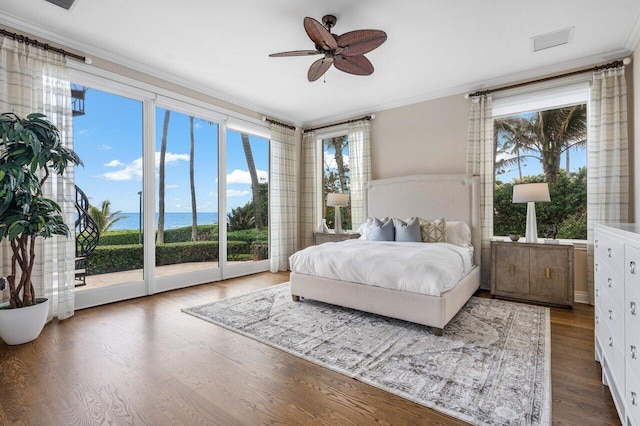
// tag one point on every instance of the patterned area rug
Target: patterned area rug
(492, 366)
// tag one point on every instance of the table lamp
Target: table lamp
(530, 193)
(337, 200)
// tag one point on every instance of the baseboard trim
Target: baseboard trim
(581, 297)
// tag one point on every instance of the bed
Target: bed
(454, 197)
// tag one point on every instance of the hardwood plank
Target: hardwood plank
(143, 361)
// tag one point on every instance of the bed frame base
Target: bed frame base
(432, 311)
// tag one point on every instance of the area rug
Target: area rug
(491, 367)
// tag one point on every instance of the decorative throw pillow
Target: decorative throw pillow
(408, 231)
(433, 231)
(365, 229)
(458, 233)
(382, 231)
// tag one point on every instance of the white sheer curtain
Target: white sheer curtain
(608, 156)
(310, 186)
(35, 80)
(480, 163)
(283, 197)
(359, 139)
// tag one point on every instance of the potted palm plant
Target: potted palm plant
(30, 150)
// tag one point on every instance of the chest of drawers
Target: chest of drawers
(617, 314)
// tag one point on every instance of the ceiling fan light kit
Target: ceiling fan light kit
(345, 52)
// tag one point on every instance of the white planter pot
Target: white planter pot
(22, 325)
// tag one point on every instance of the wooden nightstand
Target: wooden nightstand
(327, 237)
(533, 272)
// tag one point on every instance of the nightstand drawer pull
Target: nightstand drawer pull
(633, 352)
(610, 314)
(595, 243)
(597, 319)
(609, 282)
(512, 269)
(611, 341)
(632, 307)
(609, 252)
(597, 268)
(632, 267)
(547, 273)
(634, 400)
(597, 292)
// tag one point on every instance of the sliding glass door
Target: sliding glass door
(186, 216)
(247, 201)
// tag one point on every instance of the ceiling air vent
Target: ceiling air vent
(65, 4)
(556, 38)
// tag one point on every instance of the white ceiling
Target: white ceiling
(434, 47)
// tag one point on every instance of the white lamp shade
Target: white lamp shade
(336, 199)
(531, 192)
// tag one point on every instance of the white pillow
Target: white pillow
(365, 229)
(459, 233)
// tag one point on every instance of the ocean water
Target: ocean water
(171, 220)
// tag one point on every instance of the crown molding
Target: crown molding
(483, 85)
(106, 55)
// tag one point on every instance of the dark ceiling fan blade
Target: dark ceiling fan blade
(359, 42)
(319, 34)
(295, 53)
(319, 67)
(358, 65)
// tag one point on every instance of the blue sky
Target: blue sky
(108, 139)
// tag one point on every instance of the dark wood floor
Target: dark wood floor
(144, 362)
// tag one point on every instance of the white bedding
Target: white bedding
(426, 268)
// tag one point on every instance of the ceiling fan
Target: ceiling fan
(346, 52)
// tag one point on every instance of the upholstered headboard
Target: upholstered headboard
(454, 197)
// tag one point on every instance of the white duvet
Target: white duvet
(427, 268)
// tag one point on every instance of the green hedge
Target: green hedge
(112, 258)
(177, 235)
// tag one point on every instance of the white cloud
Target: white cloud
(172, 186)
(236, 193)
(105, 147)
(114, 163)
(243, 176)
(330, 160)
(133, 170)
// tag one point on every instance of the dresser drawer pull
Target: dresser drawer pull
(610, 314)
(597, 268)
(632, 306)
(609, 252)
(597, 320)
(611, 341)
(609, 282)
(597, 292)
(547, 273)
(633, 352)
(512, 269)
(595, 243)
(634, 400)
(632, 267)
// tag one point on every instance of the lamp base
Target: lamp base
(337, 220)
(532, 227)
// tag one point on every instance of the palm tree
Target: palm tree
(254, 181)
(338, 145)
(163, 153)
(103, 216)
(547, 134)
(194, 212)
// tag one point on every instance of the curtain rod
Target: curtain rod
(365, 118)
(614, 64)
(269, 120)
(26, 40)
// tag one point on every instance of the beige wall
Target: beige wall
(428, 137)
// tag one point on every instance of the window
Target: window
(547, 145)
(335, 178)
